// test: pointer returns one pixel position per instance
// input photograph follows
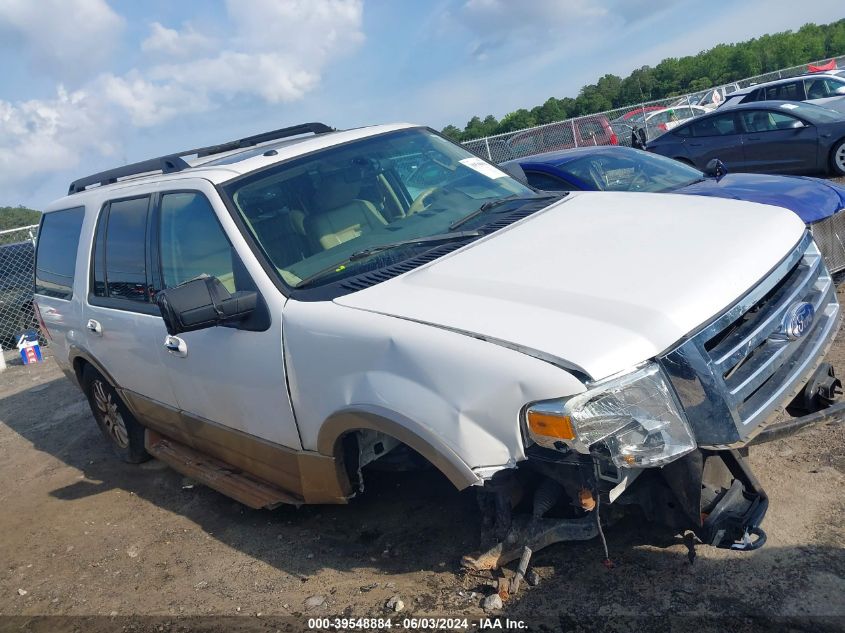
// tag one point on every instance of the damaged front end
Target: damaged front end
(672, 436)
(623, 443)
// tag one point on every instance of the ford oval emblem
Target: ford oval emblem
(798, 320)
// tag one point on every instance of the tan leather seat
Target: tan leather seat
(341, 216)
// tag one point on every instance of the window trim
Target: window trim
(158, 267)
(38, 245)
(126, 305)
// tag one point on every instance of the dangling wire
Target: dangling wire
(607, 562)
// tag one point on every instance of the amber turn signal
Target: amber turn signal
(550, 425)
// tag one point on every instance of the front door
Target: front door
(225, 379)
(777, 142)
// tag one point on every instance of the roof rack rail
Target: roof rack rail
(174, 162)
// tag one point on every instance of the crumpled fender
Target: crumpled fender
(459, 398)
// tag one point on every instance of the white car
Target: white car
(825, 89)
(277, 313)
(660, 121)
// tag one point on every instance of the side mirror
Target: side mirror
(202, 303)
(715, 168)
(840, 91)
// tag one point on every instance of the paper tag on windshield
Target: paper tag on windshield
(483, 168)
(788, 106)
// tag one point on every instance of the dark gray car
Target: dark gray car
(775, 137)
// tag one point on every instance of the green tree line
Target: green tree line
(673, 76)
(14, 217)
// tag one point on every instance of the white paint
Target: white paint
(602, 281)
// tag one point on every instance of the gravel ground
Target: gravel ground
(86, 535)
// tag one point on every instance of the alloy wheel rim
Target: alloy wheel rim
(840, 157)
(110, 415)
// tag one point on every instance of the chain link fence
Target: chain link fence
(17, 272)
(628, 126)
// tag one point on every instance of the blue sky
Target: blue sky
(90, 84)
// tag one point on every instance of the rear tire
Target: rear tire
(123, 432)
(837, 159)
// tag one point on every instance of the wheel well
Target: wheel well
(79, 365)
(832, 150)
(357, 448)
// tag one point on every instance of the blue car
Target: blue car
(819, 203)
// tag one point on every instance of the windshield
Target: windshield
(631, 170)
(811, 112)
(311, 214)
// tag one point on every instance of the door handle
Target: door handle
(95, 327)
(176, 346)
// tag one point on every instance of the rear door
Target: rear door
(123, 327)
(714, 136)
(778, 142)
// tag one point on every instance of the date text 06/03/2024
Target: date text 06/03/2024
(413, 624)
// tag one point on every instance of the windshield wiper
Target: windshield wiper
(440, 237)
(492, 204)
(373, 250)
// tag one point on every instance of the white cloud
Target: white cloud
(172, 43)
(273, 51)
(276, 52)
(47, 135)
(65, 39)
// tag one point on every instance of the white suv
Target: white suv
(281, 311)
(825, 89)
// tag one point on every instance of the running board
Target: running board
(215, 474)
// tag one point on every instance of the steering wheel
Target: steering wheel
(598, 177)
(420, 202)
(639, 175)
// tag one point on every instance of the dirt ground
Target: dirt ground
(84, 534)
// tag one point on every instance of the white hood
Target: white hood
(600, 281)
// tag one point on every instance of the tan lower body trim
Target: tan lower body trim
(309, 476)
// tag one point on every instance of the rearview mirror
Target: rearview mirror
(202, 303)
(715, 168)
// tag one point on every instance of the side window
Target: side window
(714, 126)
(792, 91)
(193, 242)
(822, 87)
(546, 182)
(754, 95)
(119, 266)
(58, 239)
(765, 121)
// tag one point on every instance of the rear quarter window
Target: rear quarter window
(55, 258)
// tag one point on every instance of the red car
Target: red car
(637, 116)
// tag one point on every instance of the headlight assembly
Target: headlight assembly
(636, 417)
